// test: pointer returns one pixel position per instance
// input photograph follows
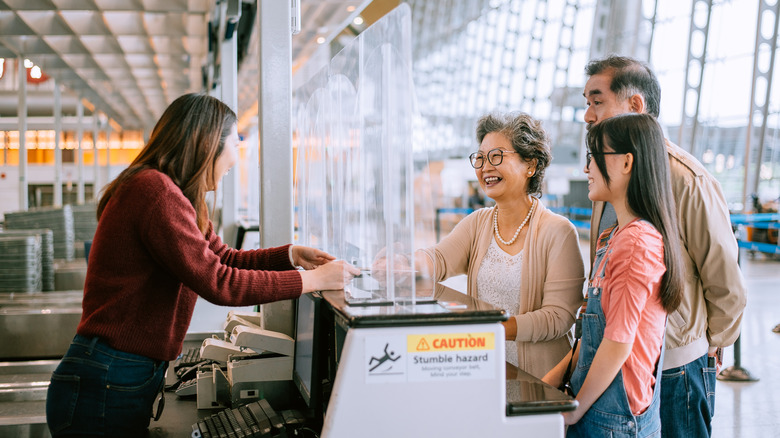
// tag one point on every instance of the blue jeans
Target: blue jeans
(99, 391)
(688, 400)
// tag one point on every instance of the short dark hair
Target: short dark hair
(629, 76)
(528, 139)
(649, 191)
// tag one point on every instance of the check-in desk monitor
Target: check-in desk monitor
(306, 375)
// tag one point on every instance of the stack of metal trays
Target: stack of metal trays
(58, 220)
(20, 263)
(47, 253)
(84, 221)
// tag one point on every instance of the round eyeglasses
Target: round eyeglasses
(494, 157)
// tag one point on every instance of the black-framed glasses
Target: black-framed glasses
(494, 157)
(589, 155)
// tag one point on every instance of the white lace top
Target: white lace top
(498, 283)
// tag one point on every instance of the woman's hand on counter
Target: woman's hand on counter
(400, 265)
(309, 258)
(328, 276)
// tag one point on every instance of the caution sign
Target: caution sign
(451, 342)
(451, 356)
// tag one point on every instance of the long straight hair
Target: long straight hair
(649, 191)
(185, 145)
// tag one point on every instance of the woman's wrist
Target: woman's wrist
(290, 255)
(306, 281)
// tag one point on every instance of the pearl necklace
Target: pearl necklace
(517, 233)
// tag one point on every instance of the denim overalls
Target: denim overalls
(610, 415)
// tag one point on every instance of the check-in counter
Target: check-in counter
(386, 371)
(432, 370)
(403, 370)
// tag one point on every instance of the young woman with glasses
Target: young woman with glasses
(518, 255)
(635, 281)
(154, 252)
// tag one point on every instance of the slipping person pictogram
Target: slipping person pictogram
(380, 360)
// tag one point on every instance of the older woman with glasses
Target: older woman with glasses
(518, 255)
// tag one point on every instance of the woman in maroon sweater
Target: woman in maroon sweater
(153, 253)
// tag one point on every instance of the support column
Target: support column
(96, 164)
(57, 150)
(22, 73)
(533, 63)
(108, 152)
(229, 77)
(80, 152)
(759, 104)
(694, 74)
(274, 111)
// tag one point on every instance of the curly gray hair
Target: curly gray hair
(528, 139)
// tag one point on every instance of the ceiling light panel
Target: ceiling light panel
(158, 24)
(124, 22)
(66, 44)
(100, 44)
(45, 22)
(30, 5)
(168, 45)
(134, 44)
(13, 25)
(86, 22)
(76, 5)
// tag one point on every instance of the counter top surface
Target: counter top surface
(448, 307)
(527, 395)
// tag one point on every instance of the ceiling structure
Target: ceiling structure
(131, 58)
(322, 21)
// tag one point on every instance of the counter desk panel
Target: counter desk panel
(425, 362)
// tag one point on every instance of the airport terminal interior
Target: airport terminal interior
(356, 120)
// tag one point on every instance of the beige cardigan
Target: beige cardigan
(551, 290)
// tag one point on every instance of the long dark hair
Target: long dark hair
(649, 192)
(184, 145)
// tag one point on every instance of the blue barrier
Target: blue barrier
(568, 212)
(465, 211)
(738, 219)
(770, 248)
(581, 224)
(766, 221)
(437, 225)
(559, 210)
(761, 221)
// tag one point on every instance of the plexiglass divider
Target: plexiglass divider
(355, 172)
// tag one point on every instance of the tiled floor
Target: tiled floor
(752, 409)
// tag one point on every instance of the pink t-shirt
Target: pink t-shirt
(631, 305)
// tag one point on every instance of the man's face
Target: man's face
(601, 101)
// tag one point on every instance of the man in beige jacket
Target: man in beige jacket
(709, 316)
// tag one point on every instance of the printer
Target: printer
(251, 364)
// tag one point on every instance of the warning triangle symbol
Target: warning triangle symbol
(423, 345)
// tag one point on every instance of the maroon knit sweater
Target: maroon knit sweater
(149, 262)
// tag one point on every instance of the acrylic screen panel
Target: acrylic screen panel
(355, 166)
